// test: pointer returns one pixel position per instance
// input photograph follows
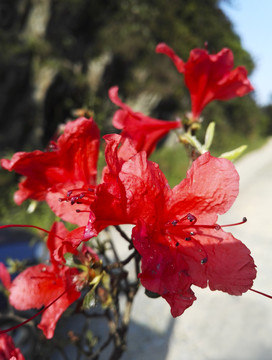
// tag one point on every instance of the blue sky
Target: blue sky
(252, 21)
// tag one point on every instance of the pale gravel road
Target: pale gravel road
(219, 326)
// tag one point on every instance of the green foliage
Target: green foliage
(173, 162)
(267, 110)
(10, 213)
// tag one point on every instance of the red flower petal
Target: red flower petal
(8, 351)
(110, 204)
(144, 184)
(126, 184)
(69, 244)
(55, 240)
(164, 270)
(4, 276)
(209, 77)
(51, 315)
(162, 48)
(32, 165)
(179, 301)
(211, 186)
(236, 84)
(143, 131)
(38, 286)
(217, 259)
(71, 164)
(78, 150)
(64, 209)
(118, 118)
(230, 268)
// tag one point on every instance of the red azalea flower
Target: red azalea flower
(176, 232)
(68, 171)
(109, 205)
(8, 351)
(39, 286)
(61, 241)
(209, 77)
(53, 286)
(144, 131)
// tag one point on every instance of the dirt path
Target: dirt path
(219, 326)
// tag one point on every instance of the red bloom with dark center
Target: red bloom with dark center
(176, 232)
(143, 130)
(209, 77)
(68, 171)
(8, 351)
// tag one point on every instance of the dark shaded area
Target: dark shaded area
(20, 245)
(62, 93)
(17, 107)
(74, 25)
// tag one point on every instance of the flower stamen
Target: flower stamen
(244, 220)
(82, 196)
(182, 224)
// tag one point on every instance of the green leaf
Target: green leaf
(234, 154)
(91, 338)
(32, 206)
(69, 260)
(209, 135)
(89, 299)
(106, 281)
(96, 280)
(192, 140)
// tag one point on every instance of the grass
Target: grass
(172, 161)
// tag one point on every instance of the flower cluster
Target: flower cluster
(175, 231)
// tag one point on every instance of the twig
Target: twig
(123, 234)
(120, 264)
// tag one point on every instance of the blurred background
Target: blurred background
(60, 56)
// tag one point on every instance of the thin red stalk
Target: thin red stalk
(239, 223)
(28, 226)
(260, 293)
